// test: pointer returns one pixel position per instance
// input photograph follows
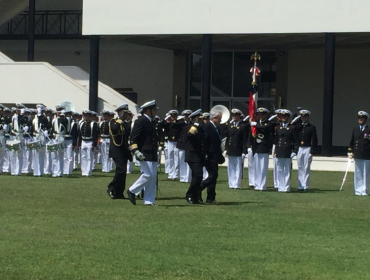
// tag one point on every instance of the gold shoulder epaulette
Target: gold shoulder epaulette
(193, 130)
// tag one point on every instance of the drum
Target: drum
(54, 146)
(33, 145)
(13, 145)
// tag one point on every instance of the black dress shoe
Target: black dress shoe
(191, 200)
(131, 197)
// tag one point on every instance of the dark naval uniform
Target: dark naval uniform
(236, 146)
(286, 147)
(359, 149)
(307, 141)
(144, 142)
(261, 145)
(194, 156)
(120, 153)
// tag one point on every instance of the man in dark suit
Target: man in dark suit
(307, 140)
(119, 151)
(194, 156)
(359, 149)
(286, 148)
(213, 155)
(144, 145)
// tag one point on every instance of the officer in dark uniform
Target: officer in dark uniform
(261, 146)
(236, 148)
(307, 141)
(359, 149)
(286, 148)
(144, 145)
(194, 156)
(119, 151)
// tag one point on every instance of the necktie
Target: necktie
(218, 133)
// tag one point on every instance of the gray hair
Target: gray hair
(214, 113)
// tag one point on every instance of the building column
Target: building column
(94, 73)
(327, 126)
(31, 31)
(205, 101)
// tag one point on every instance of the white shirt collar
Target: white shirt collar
(149, 118)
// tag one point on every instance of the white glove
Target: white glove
(249, 150)
(253, 123)
(243, 156)
(139, 156)
(350, 155)
(39, 111)
(25, 129)
(224, 153)
(273, 155)
(292, 155)
(5, 127)
(160, 149)
(46, 133)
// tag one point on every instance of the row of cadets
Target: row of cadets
(236, 146)
(87, 140)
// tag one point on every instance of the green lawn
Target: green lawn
(68, 228)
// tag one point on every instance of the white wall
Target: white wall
(351, 88)
(149, 71)
(224, 17)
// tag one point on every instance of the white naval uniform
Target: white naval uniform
(57, 156)
(147, 181)
(283, 174)
(2, 148)
(27, 156)
(166, 162)
(361, 177)
(304, 160)
(87, 153)
(185, 171)
(235, 171)
(173, 160)
(68, 149)
(261, 164)
(16, 157)
(250, 167)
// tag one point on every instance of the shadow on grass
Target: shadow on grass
(227, 203)
(170, 198)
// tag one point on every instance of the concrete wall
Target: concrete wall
(149, 71)
(224, 17)
(351, 88)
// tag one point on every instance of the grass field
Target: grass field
(68, 228)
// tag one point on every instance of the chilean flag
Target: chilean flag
(253, 98)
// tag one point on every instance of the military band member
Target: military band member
(40, 133)
(359, 149)
(194, 156)
(88, 140)
(70, 142)
(49, 115)
(236, 146)
(25, 122)
(261, 145)
(6, 121)
(286, 148)
(144, 145)
(104, 139)
(16, 157)
(307, 139)
(57, 131)
(119, 131)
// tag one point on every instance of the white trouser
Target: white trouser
(130, 166)
(166, 165)
(112, 164)
(68, 157)
(274, 173)
(185, 172)
(47, 162)
(205, 173)
(16, 161)
(104, 158)
(96, 152)
(261, 164)
(250, 168)
(173, 160)
(304, 160)
(38, 156)
(361, 177)
(27, 156)
(57, 160)
(283, 174)
(146, 181)
(87, 155)
(2, 156)
(76, 152)
(6, 162)
(234, 171)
